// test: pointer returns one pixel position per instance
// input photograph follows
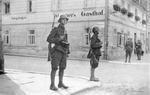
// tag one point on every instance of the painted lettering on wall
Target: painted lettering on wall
(68, 15)
(18, 18)
(93, 13)
(82, 13)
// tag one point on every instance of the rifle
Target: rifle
(49, 45)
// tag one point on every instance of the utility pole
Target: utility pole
(106, 29)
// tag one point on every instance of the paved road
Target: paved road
(119, 79)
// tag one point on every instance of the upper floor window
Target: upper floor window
(56, 4)
(6, 7)
(31, 5)
(90, 3)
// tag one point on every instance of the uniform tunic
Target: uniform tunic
(96, 45)
(60, 50)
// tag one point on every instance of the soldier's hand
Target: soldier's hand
(62, 37)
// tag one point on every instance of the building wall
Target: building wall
(20, 21)
(148, 26)
(124, 26)
(82, 14)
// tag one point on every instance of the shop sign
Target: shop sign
(81, 13)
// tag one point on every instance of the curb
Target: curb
(36, 56)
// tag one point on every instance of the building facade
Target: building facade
(148, 26)
(27, 23)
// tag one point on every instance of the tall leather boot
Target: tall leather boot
(61, 85)
(92, 78)
(52, 86)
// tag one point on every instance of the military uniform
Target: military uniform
(59, 50)
(96, 45)
(128, 49)
(139, 50)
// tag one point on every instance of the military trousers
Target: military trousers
(59, 60)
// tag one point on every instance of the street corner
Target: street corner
(77, 85)
(24, 83)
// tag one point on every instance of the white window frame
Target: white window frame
(56, 5)
(6, 37)
(119, 39)
(86, 36)
(31, 37)
(89, 3)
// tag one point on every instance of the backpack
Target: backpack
(53, 32)
(50, 50)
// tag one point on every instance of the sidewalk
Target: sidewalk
(17, 82)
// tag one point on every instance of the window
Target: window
(56, 5)
(6, 37)
(31, 37)
(59, 4)
(87, 39)
(125, 38)
(119, 39)
(31, 6)
(87, 36)
(6, 7)
(90, 3)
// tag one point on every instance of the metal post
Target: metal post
(106, 29)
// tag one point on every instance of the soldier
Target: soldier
(138, 49)
(59, 52)
(128, 49)
(95, 45)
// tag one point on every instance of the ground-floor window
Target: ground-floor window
(31, 37)
(87, 42)
(119, 39)
(125, 39)
(87, 37)
(6, 37)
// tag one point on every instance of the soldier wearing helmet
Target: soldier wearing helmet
(95, 45)
(60, 50)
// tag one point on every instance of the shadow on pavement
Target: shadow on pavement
(8, 87)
